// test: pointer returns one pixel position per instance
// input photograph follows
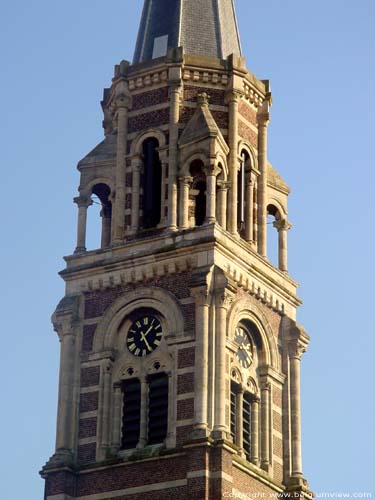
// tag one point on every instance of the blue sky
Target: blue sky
(56, 57)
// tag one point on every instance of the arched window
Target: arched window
(199, 187)
(151, 184)
(273, 215)
(242, 180)
(100, 194)
(244, 403)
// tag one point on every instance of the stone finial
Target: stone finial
(203, 99)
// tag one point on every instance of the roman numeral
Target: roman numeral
(145, 321)
(132, 347)
(137, 351)
(138, 323)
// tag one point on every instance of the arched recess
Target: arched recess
(246, 146)
(151, 181)
(245, 310)
(106, 336)
(186, 161)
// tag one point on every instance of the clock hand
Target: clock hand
(143, 337)
(148, 331)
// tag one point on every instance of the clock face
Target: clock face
(244, 352)
(144, 335)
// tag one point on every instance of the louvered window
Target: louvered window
(131, 413)
(157, 408)
(246, 424)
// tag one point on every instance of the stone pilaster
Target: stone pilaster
(106, 214)
(263, 121)
(122, 105)
(201, 363)
(223, 301)
(232, 99)
(174, 117)
(296, 350)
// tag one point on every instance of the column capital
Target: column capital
(282, 225)
(265, 385)
(83, 201)
(233, 96)
(223, 185)
(263, 116)
(212, 169)
(123, 98)
(186, 179)
(200, 295)
(296, 349)
(224, 299)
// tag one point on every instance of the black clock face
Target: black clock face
(245, 351)
(144, 335)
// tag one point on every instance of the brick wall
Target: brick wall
(90, 376)
(98, 301)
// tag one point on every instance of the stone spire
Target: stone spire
(201, 27)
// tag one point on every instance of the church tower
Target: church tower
(180, 349)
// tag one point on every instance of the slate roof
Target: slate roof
(203, 27)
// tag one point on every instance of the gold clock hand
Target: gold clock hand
(143, 337)
(148, 331)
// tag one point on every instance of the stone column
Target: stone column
(283, 227)
(222, 203)
(136, 182)
(117, 417)
(185, 183)
(265, 425)
(222, 303)
(122, 105)
(83, 203)
(65, 411)
(164, 167)
(249, 207)
(232, 100)
(295, 353)
(263, 121)
(201, 362)
(170, 441)
(174, 117)
(143, 417)
(211, 172)
(255, 431)
(239, 418)
(106, 214)
(106, 414)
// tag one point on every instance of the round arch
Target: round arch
(136, 146)
(278, 205)
(246, 146)
(106, 336)
(87, 189)
(244, 309)
(197, 155)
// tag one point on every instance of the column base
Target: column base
(200, 431)
(297, 487)
(220, 434)
(80, 250)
